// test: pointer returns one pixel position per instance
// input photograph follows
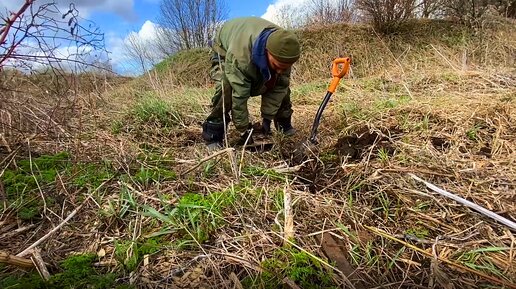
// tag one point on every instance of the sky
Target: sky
(117, 19)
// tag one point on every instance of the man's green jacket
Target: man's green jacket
(241, 42)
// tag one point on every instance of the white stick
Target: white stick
(289, 217)
(29, 249)
(40, 264)
(467, 203)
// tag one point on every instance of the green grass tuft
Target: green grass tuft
(306, 271)
(152, 110)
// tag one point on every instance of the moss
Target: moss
(298, 266)
(76, 272)
(23, 183)
(131, 253)
(91, 175)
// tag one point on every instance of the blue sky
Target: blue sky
(118, 24)
(118, 18)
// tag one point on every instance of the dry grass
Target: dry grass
(451, 125)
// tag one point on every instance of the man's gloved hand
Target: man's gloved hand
(245, 135)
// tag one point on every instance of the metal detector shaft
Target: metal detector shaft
(317, 120)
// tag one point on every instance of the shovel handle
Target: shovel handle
(340, 68)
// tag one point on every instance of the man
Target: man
(251, 57)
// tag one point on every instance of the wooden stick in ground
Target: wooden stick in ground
(228, 150)
(289, 218)
(468, 204)
(16, 261)
(40, 264)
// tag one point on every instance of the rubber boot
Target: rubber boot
(284, 125)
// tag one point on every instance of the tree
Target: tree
(387, 15)
(142, 51)
(190, 24)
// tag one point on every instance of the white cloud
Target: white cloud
(123, 8)
(148, 31)
(117, 46)
(283, 12)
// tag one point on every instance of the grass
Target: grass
(195, 218)
(24, 183)
(131, 253)
(155, 111)
(296, 265)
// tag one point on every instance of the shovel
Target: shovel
(340, 68)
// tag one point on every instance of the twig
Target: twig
(239, 173)
(47, 235)
(446, 261)
(227, 150)
(468, 204)
(17, 231)
(73, 213)
(236, 282)
(188, 265)
(293, 169)
(40, 264)
(291, 284)
(171, 202)
(14, 260)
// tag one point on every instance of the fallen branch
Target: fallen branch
(13, 233)
(14, 260)
(40, 264)
(468, 204)
(228, 150)
(47, 235)
(73, 213)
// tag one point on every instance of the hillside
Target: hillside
(150, 207)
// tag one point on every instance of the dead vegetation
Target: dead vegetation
(153, 209)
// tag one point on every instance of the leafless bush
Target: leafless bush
(429, 8)
(42, 50)
(387, 15)
(331, 11)
(470, 12)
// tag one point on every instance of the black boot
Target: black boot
(284, 125)
(266, 126)
(212, 132)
